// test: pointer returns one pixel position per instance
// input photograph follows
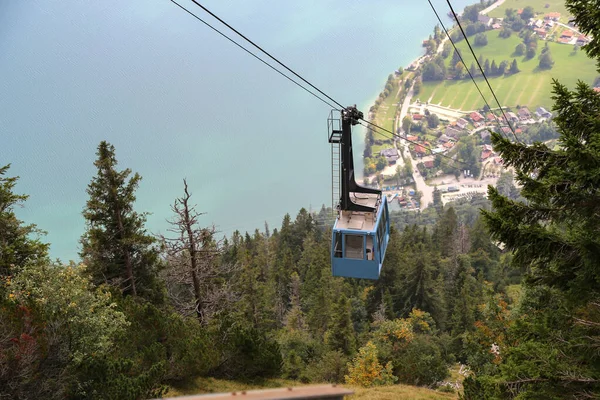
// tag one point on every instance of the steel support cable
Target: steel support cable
(267, 54)
(255, 56)
(409, 141)
(286, 76)
(464, 63)
(481, 69)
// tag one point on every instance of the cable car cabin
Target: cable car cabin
(362, 228)
(360, 239)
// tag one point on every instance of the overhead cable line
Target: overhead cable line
(255, 56)
(266, 53)
(480, 68)
(465, 64)
(407, 140)
(292, 71)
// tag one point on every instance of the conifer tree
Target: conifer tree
(18, 247)
(514, 68)
(340, 334)
(494, 68)
(115, 246)
(554, 237)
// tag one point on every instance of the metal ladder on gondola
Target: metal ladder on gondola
(335, 138)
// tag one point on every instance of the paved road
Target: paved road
(492, 7)
(568, 27)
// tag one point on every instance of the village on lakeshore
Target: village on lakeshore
(442, 151)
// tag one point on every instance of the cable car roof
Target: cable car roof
(360, 220)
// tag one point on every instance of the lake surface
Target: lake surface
(178, 101)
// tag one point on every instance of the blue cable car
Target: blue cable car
(362, 228)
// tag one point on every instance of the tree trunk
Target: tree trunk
(193, 252)
(128, 264)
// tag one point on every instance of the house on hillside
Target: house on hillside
(476, 117)
(484, 134)
(496, 26)
(462, 123)
(553, 16)
(543, 113)
(443, 139)
(451, 132)
(428, 164)
(512, 117)
(524, 114)
(417, 117)
(539, 23)
(448, 145)
(490, 117)
(567, 34)
(506, 130)
(391, 155)
(412, 138)
(582, 40)
(485, 154)
(541, 32)
(484, 19)
(420, 150)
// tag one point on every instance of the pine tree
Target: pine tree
(514, 68)
(18, 245)
(420, 286)
(445, 232)
(455, 57)
(554, 236)
(115, 246)
(494, 68)
(473, 70)
(340, 334)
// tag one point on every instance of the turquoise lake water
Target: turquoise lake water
(178, 101)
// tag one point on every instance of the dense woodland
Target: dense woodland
(142, 311)
(512, 290)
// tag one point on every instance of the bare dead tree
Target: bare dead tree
(197, 282)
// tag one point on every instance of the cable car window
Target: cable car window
(370, 248)
(354, 247)
(337, 252)
(380, 234)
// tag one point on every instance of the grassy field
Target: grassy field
(386, 112)
(211, 385)
(538, 7)
(530, 87)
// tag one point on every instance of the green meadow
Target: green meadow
(531, 87)
(539, 6)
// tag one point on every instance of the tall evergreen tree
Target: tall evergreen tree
(514, 68)
(115, 245)
(494, 68)
(553, 351)
(18, 246)
(340, 334)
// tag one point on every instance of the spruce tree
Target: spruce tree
(514, 68)
(340, 334)
(18, 246)
(552, 351)
(494, 68)
(115, 245)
